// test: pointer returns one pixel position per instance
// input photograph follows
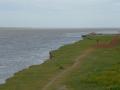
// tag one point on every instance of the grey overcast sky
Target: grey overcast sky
(60, 13)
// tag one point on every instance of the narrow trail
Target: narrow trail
(69, 69)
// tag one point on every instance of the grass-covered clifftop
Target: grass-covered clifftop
(78, 66)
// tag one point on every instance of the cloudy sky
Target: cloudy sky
(59, 13)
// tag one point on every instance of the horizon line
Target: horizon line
(64, 27)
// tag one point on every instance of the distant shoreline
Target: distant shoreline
(89, 28)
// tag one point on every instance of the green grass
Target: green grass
(99, 71)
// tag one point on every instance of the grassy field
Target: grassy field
(99, 70)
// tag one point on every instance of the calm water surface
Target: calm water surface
(20, 49)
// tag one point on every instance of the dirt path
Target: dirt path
(67, 70)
